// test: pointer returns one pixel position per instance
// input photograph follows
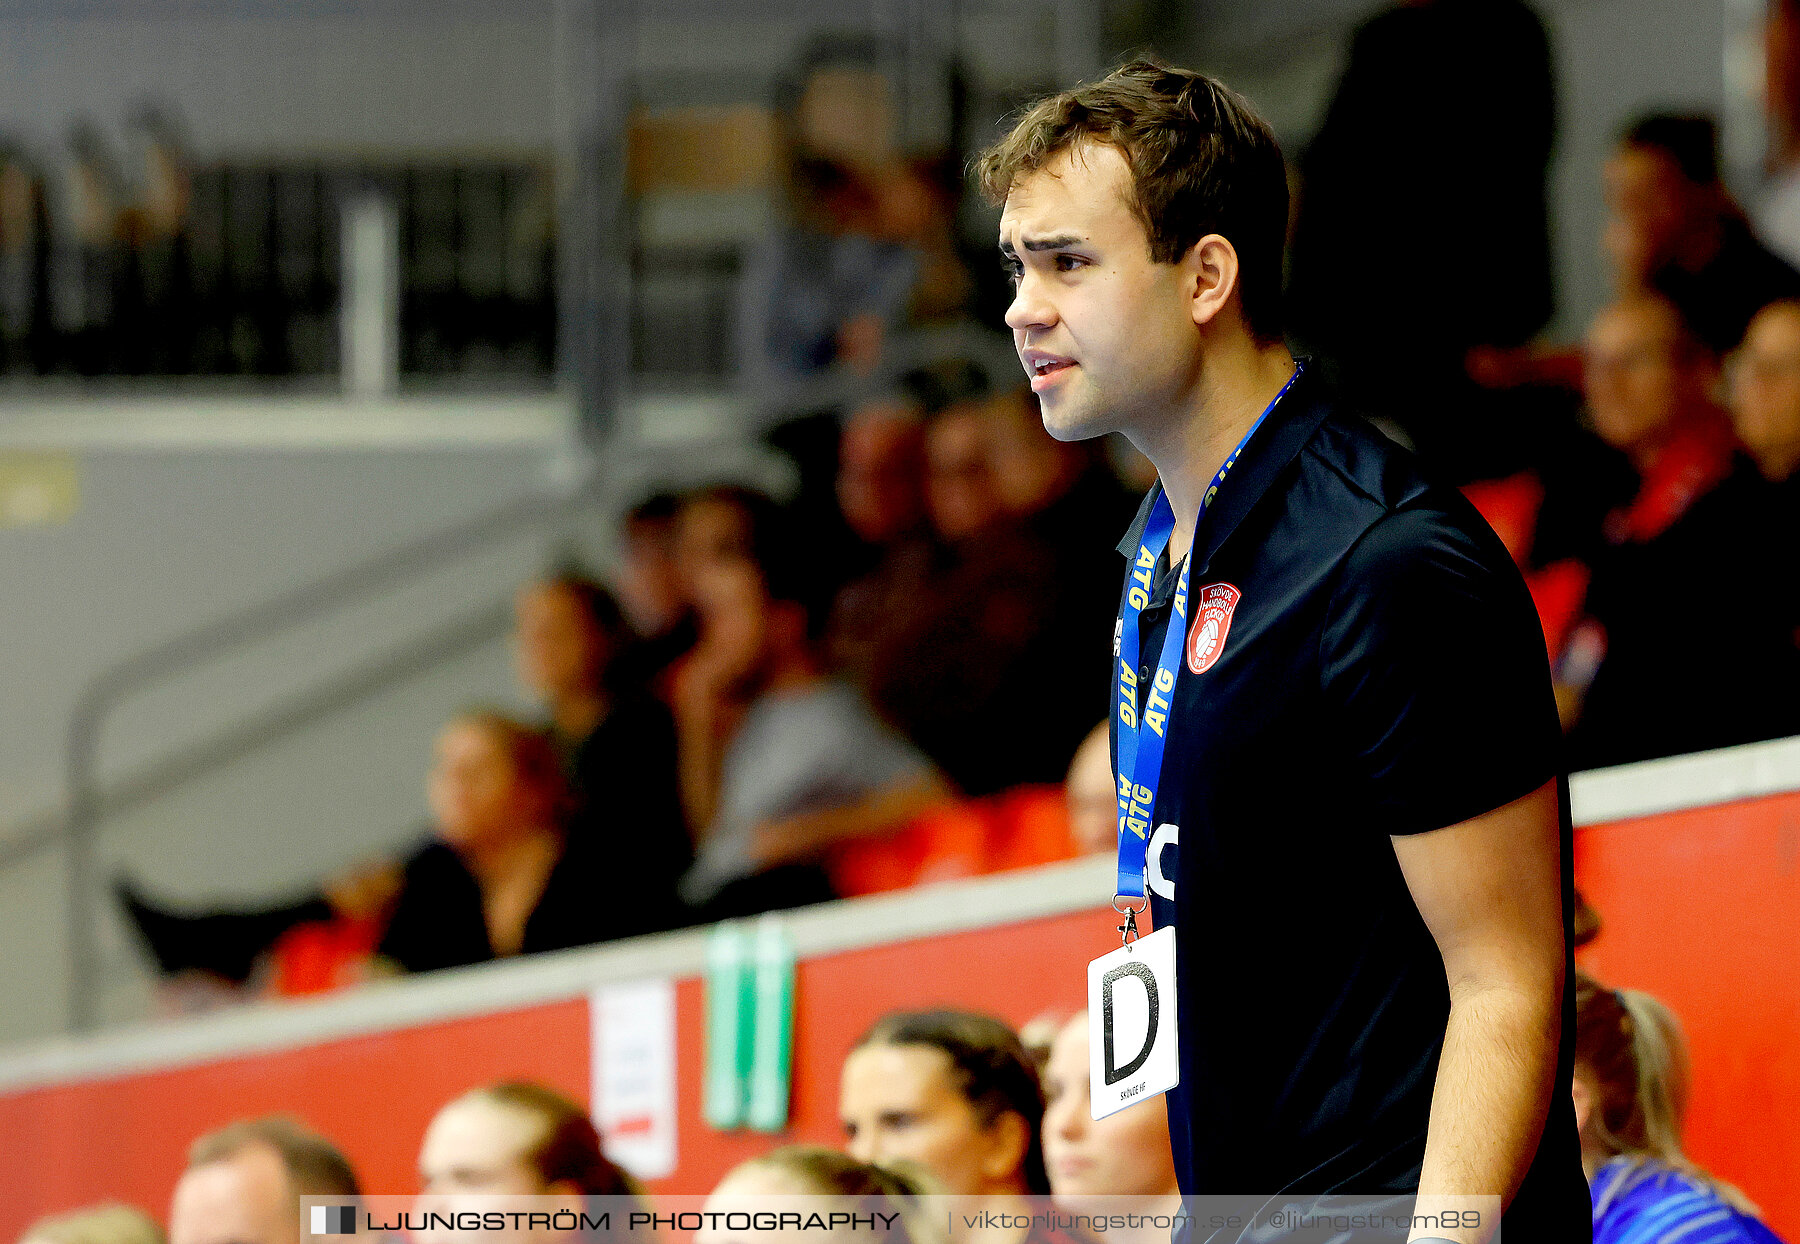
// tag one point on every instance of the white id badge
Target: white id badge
(1132, 1053)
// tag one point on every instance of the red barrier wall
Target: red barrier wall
(124, 1138)
(1702, 909)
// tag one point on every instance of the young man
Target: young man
(1356, 830)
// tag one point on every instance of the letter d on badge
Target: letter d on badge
(1132, 1050)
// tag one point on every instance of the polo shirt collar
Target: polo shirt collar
(1277, 443)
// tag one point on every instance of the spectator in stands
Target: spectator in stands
(616, 748)
(1439, 133)
(1630, 1087)
(24, 263)
(810, 1170)
(1765, 394)
(154, 311)
(714, 526)
(521, 1138)
(1674, 228)
(1649, 388)
(243, 1184)
(1092, 796)
(828, 289)
(778, 760)
(617, 741)
(881, 469)
(1125, 1154)
(653, 592)
(1778, 206)
(881, 495)
(102, 1224)
(952, 1091)
(499, 876)
(85, 254)
(1018, 609)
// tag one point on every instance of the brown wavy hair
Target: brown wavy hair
(1202, 161)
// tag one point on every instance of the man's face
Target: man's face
(1106, 334)
(244, 1199)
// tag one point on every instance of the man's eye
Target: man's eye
(1068, 263)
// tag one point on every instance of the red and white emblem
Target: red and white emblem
(1212, 623)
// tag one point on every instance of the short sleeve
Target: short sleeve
(1434, 675)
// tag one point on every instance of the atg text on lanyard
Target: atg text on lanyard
(1133, 1045)
(1143, 734)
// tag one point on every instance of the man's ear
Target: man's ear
(1212, 269)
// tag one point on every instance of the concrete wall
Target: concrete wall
(167, 535)
(286, 75)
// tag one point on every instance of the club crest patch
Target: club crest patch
(1213, 605)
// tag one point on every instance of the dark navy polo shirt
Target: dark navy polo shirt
(1383, 672)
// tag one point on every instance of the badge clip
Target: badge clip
(1128, 932)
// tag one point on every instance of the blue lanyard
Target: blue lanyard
(1139, 762)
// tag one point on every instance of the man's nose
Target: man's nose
(1029, 307)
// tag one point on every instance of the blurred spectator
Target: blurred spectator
(882, 492)
(649, 587)
(616, 739)
(613, 806)
(498, 877)
(243, 1184)
(778, 761)
(1065, 495)
(1439, 134)
(881, 470)
(519, 1138)
(827, 288)
(1649, 396)
(653, 592)
(1765, 392)
(952, 1091)
(1778, 208)
(1125, 1154)
(811, 1170)
(1092, 796)
(24, 264)
(154, 311)
(103, 1224)
(84, 255)
(1018, 610)
(1674, 228)
(1630, 1087)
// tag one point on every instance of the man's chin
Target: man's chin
(1067, 421)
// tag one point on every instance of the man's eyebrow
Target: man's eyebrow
(1056, 243)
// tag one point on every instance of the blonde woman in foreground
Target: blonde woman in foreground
(1631, 1081)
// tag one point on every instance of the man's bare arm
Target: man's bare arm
(1490, 891)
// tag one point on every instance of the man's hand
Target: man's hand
(1490, 891)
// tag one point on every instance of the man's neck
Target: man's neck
(1231, 394)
